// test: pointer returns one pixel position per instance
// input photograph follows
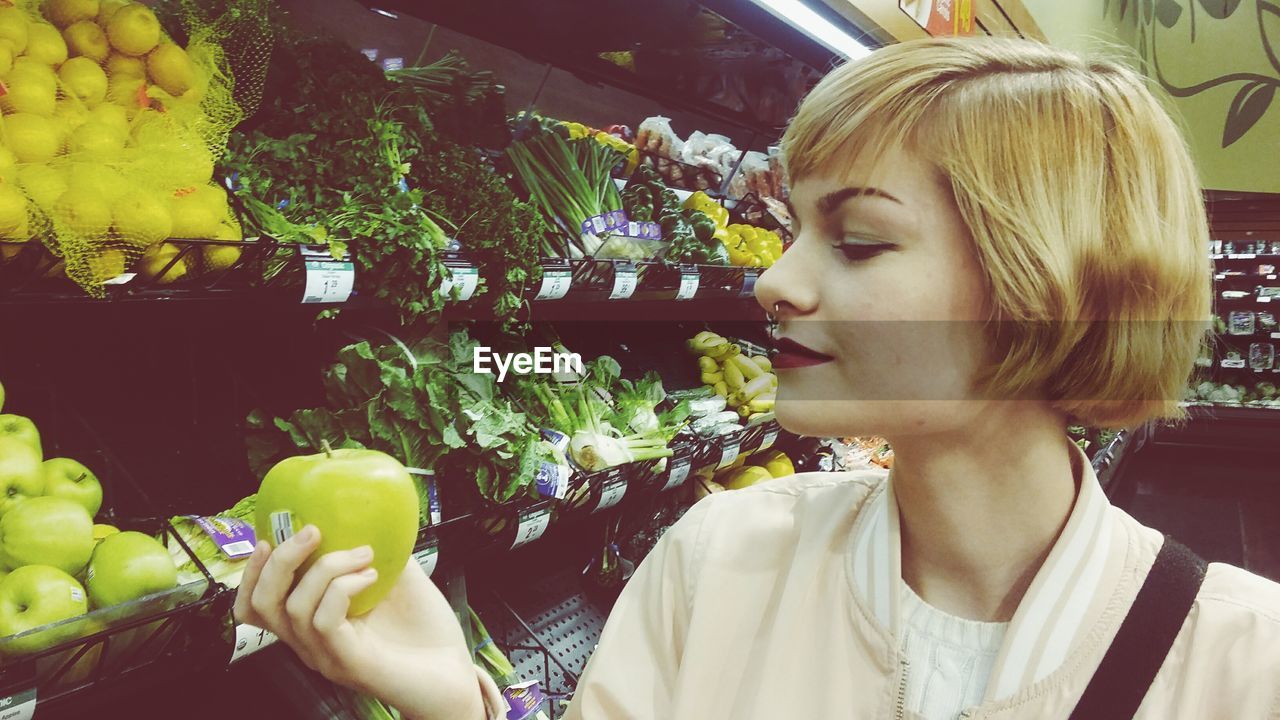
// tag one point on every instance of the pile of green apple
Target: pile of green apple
(55, 563)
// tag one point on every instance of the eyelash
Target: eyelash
(855, 251)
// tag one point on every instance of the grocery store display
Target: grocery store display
(354, 498)
(747, 383)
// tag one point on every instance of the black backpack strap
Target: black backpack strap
(1117, 687)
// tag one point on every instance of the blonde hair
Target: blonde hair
(1078, 191)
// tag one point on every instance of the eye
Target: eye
(861, 251)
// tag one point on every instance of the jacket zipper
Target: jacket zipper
(901, 702)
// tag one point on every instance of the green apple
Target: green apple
(66, 478)
(34, 596)
(1, 396)
(126, 566)
(20, 428)
(21, 475)
(47, 531)
(355, 497)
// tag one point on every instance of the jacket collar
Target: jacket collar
(1058, 609)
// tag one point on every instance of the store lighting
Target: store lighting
(802, 17)
(386, 13)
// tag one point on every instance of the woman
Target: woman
(995, 238)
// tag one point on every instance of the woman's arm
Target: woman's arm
(635, 668)
(408, 651)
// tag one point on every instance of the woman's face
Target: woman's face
(884, 296)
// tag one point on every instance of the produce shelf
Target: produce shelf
(1223, 427)
(114, 643)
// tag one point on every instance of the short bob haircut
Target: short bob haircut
(1079, 193)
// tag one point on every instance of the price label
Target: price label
(749, 277)
(1271, 277)
(1265, 299)
(556, 280)
(429, 556)
(611, 492)
(769, 439)
(1234, 364)
(1275, 336)
(19, 706)
(465, 279)
(678, 473)
(624, 281)
(532, 524)
(328, 280)
(249, 640)
(728, 452)
(689, 279)
(598, 224)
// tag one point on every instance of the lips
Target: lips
(792, 354)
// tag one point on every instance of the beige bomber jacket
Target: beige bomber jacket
(780, 601)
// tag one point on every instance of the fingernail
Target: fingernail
(363, 553)
(309, 534)
(369, 574)
(262, 547)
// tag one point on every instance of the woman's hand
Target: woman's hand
(408, 650)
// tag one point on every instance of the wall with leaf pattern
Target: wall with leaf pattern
(1218, 60)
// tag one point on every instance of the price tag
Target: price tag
(429, 556)
(556, 280)
(1265, 299)
(624, 281)
(1271, 277)
(678, 474)
(728, 451)
(769, 438)
(465, 278)
(749, 277)
(249, 640)
(328, 280)
(1234, 364)
(611, 492)
(689, 279)
(532, 523)
(598, 224)
(19, 706)
(1275, 336)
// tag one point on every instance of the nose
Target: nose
(789, 288)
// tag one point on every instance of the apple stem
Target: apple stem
(82, 476)
(328, 451)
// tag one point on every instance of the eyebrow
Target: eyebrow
(832, 200)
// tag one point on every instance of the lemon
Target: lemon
(108, 8)
(6, 58)
(87, 39)
(171, 69)
(198, 212)
(13, 212)
(105, 264)
(82, 213)
(84, 80)
(15, 28)
(45, 44)
(141, 218)
(97, 141)
(134, 30)
(32, 138)
(8, 164)
(97, 179)
(31, 89)
(65, 12)
(44, 185)
(125, 66)
(221, 257)
(126, 91)
(155, 260)
(152, 129)
(112, 116)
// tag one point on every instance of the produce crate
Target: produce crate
(109, 643)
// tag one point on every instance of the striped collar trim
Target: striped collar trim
(1053, 612)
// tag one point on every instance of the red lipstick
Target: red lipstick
(792, 354)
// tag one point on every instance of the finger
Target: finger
(242, 611)
(305, 597)
(331, 613)
(277, 576)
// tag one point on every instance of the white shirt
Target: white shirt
(950, 658)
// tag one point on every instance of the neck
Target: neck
(980, 510)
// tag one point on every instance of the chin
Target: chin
(884, 418)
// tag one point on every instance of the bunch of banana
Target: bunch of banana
(744, 381)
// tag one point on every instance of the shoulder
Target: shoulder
(1248, 600)
(770, 515)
